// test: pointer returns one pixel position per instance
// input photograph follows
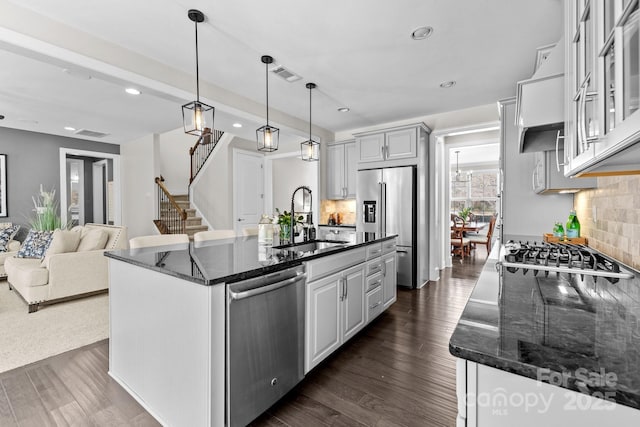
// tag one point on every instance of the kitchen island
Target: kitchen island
(550, 350)
(170, 334)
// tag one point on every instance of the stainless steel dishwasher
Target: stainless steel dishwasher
(265, 342)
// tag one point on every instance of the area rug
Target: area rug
(28, 337)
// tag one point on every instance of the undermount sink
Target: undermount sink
(311, 246)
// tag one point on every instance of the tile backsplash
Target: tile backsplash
(610, 217)
(346, 207)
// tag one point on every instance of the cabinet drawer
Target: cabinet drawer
(388, 246)
(374, 303)
(374, 250)
(374, 266)
(374, 281)
(322, 267)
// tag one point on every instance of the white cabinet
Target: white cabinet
(322, 319)
(341, 170)
(400, 144)
(334, 313)
(352, 302)
(548, 177)
(392, 147)
(602, 91)
(389, 284)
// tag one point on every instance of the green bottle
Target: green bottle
(573, 225)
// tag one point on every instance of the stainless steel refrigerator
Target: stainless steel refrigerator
(386, 203)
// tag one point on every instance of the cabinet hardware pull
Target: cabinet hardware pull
(371, 307)
(558, 164)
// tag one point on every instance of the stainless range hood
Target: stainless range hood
(540, 102)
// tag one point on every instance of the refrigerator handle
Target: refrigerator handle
(383, 208)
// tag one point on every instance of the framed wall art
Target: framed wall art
(3, 186)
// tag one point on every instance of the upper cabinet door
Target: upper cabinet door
(350, 170)
(370, 148)
(401, 144)
(335, 171)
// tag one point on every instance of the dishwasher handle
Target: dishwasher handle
(264, 289)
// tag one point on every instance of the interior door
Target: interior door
(248, 189)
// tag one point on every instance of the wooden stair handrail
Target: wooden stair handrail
(160, 183)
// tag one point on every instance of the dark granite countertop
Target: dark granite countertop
(338, 225)
(229, 260)
(537, 327)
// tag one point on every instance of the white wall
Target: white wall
(175, 160)
(212, 192)
(139, 167)
(289, 173)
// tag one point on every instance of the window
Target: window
(480, 193)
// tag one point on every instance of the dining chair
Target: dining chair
(484, 239)
(460, 245)
(251, 231)
(202, 236)
(158, 240)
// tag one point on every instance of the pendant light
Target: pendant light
(197, 116)
(460, 177)
(310, 149)
(267, 136)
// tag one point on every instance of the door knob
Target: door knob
(240, 219)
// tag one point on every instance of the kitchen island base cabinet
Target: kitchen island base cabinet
(389, 284)
(488, 397)
(334, 313)
(164, 346)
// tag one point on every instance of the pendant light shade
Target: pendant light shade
(460, 176)
(197, 116)
(267, 136)
(310, 149)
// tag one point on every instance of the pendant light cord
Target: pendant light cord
(310, 89)
(197, 66)
(266, 75)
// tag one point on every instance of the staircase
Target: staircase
(175, 214)
(193, 223)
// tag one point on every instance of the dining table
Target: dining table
(474, 226)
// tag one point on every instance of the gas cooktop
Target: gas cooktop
(559, 258)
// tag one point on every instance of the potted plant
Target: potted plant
(465, 213)
(284, 222)
(46, 211)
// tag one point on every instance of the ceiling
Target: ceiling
(360, 56)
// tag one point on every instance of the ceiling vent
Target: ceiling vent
(285, 74)
(91, 133)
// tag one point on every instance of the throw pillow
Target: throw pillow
(93, 240)
(6, 235)
(63, 241)
(36, 244)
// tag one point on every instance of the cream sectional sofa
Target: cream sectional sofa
(12, 250)
(66, 275)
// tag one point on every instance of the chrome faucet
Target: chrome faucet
(309, 231)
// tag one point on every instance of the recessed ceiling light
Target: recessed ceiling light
(237, 125)
(344, 109)
(421, 33)
(132, 91)
(69, 128)
(446, 85)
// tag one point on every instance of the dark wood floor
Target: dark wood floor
(396, 372)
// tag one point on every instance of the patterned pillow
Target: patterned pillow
(36, 244)
(6, 234)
